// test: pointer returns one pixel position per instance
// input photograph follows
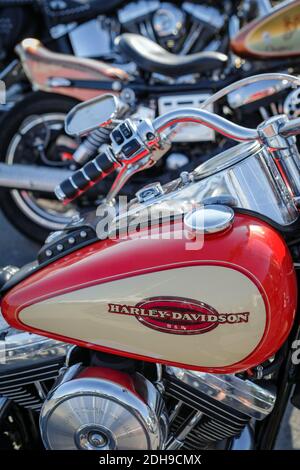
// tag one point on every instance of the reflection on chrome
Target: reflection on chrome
(18, 347)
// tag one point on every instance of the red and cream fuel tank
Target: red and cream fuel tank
(223, 304)
(273, 36)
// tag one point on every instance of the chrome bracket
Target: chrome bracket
(283, 149)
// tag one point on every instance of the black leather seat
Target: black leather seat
(151, 57)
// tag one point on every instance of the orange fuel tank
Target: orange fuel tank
(274, 36)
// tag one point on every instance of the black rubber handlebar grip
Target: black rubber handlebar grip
(67, 189)
(87, 176)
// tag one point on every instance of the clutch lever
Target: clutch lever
(138, 146)
(134, 148)
(123, 176)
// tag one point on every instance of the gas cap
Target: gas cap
(209, 219)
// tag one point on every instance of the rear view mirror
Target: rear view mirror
(94, 113)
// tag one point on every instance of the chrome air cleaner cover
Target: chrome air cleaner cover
(103, 409)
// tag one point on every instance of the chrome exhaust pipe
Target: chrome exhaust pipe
(31, 177)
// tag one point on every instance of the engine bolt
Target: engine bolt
(97, 439)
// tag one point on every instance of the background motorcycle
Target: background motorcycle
(88, 29)
(237, 397)
(53, 22)
(33, 131)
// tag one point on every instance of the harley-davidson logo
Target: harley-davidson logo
(178, 315)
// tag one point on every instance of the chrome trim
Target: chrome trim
(49, 366)
(22, 346)
(40, 390)
(97, 166)
(11, 388)
(149, 192)
(59, 193)
(72, 183)
(29, 401)
(85, 175)
(241, 395)
(58, 82)
(187, 132)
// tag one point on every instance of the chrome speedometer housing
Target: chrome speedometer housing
(247, 173)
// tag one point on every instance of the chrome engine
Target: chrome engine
(181, 28)
(103, 409)
(184, 29)
(29, 365)
(210, 410)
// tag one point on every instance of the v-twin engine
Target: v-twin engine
(103, 409)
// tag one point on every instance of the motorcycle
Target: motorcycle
(185, 329)
(34, 137)
(57, 24)
(88, 29)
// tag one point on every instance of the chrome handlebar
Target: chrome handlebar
(211, 120)
(147, 143)
(291, 128)
(219, 124)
